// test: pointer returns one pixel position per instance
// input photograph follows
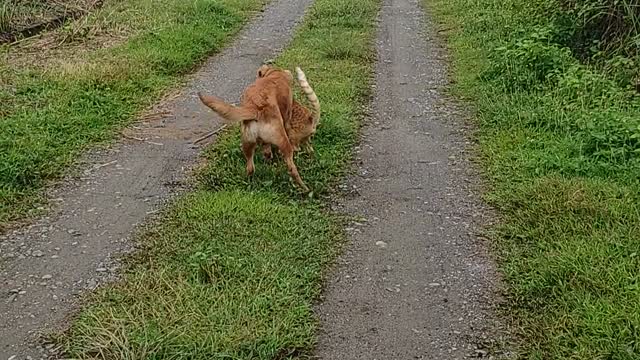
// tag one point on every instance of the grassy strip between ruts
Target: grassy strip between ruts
(53, 108)
(560, 144)
(234, 268)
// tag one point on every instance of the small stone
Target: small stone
(12, 357)
(22, 292)
(434, 284)
(37, 253)
(47, 276)
(101, 269)
(381, 244)
(481, 353)
(91, 284)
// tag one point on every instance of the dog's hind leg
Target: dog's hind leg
(248, 149)
(266, 152)
(287, 153)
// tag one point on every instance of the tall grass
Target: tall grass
(6, 16)
(608, 25)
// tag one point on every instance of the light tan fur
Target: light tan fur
(303, 122)
(265, 106)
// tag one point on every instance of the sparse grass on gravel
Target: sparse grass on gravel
(233, 270)
(50, 113)
(560, 143)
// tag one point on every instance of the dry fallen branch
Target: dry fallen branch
(208, 135)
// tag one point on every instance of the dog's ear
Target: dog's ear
(262, 70)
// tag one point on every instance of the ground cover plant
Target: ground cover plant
(554, 87)
(233, 269)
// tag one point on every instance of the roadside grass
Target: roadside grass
(560, 145)
(53, 111)
(234, 268)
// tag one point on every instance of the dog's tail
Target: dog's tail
(228, 112)
(311, 95)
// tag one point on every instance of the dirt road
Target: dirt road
(415, 283)
(43, 267)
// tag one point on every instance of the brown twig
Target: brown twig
(155, 115)
(96, 167)
(132, 137)
(208, 135)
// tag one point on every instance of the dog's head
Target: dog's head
(269, 70)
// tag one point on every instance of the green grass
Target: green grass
(52, 112)
(235, 267)
(561, 147)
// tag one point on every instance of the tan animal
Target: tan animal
(264, 106)
(303, 122)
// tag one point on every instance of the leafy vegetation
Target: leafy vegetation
(52, 111)
(553, 85)
(233, 270)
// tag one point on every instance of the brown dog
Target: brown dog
(264, 107)
(303, 122)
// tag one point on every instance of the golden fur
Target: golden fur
(264, 108)
(303, 122)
